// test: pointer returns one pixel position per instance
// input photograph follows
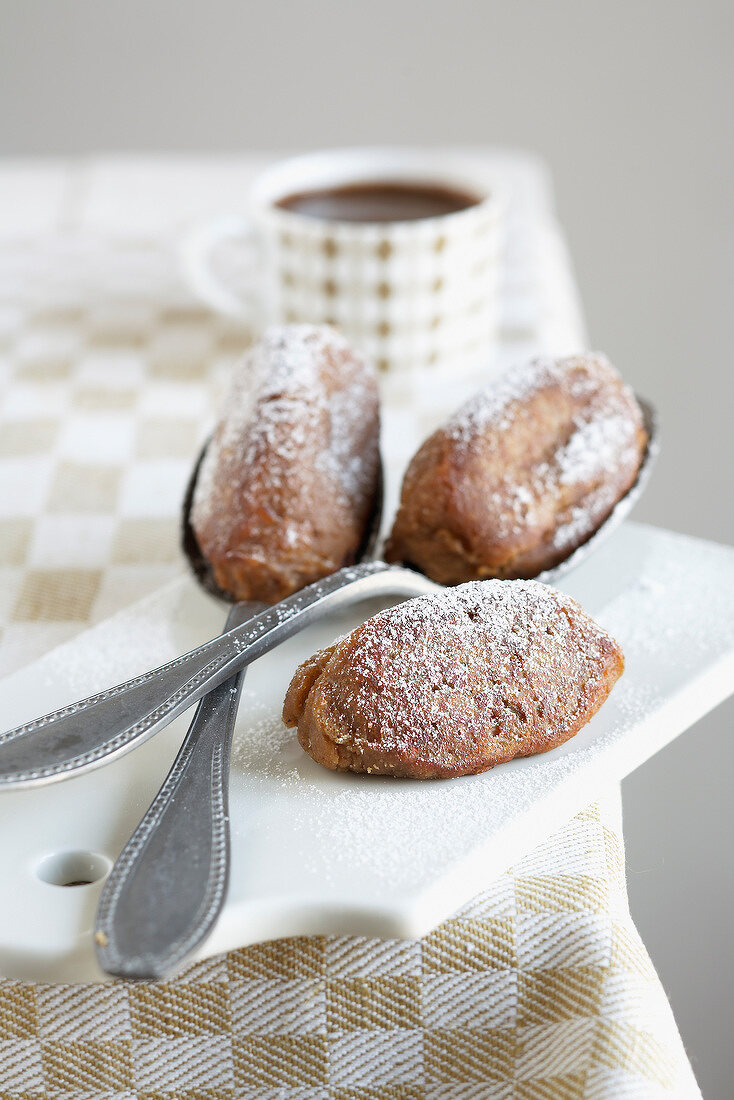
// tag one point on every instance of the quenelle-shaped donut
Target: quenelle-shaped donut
(454, 683)
(289, 479)
(522, 474)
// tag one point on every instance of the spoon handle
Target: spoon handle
(168, 885)
(83, 735)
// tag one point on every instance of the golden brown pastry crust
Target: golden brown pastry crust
(455, 683)
(522, 474)
(288, 482)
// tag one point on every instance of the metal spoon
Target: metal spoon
(167, 887)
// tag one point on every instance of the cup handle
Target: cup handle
(196, 255)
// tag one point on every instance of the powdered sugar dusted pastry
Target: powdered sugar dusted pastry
(522, 474)
(454, 683)
(288, 482)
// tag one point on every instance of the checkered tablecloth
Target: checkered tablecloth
(110, 375)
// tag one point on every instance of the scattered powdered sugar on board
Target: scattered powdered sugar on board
(671, 603)
(262, 746)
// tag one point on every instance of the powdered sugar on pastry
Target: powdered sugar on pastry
(289, 478)
(522, 474)
(281, 385)
(454, 683)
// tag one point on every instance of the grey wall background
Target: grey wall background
(631, 104)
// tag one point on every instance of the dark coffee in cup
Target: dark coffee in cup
(379, 201)
(399, 248)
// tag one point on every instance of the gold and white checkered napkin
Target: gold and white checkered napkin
(538, 988)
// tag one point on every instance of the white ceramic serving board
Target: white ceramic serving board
(316, 852)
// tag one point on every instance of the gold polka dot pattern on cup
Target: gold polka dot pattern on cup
(384, 328)
(286, 240)
(288, 278)
(330, 247)
(436, 322)
(330, 288)
(384, 290)
(437, 285)
(439, 244)
(433, 357)
(383, 365)
(384, 250)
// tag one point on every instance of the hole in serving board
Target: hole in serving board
(73, 868)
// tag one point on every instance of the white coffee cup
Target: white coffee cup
(413, 295)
